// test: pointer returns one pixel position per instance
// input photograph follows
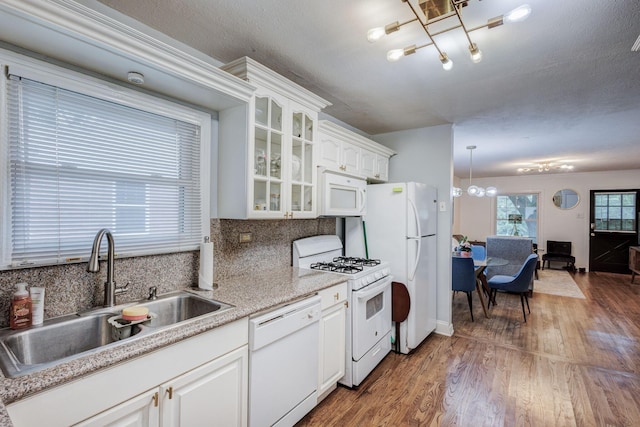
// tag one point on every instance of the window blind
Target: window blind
(78, 164)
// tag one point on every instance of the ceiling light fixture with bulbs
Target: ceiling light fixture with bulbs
(429, 12)
(546, 167)
(474, 190)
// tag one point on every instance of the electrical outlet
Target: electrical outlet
(443, 206)
(245, 237)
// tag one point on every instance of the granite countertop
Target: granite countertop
(249, 294)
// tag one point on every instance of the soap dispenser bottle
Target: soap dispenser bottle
(21, 309)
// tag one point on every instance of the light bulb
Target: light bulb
(476, 54)
(491, 191)
(456, 192)
(472, 190)
(375, 34)
(480, 192)
(395, 54)
(518, 14)
(447, 64)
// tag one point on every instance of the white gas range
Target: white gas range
(368, 326)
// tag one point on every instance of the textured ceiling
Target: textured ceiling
(562, 86)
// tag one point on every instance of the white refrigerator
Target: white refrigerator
(400, 227)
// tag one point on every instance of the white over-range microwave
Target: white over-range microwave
(341, 194)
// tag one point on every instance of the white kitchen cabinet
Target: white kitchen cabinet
(136, 412)
(338, 155)
(207, 375)
(374, 166)
(267, 151)
(331, 366)
(210, 395)
(382, 168)
(346, 151)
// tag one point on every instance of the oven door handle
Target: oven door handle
(376, 289)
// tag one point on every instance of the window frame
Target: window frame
(535, 238)
(621, 207)
(13, 63)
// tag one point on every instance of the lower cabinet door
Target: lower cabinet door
(141, 411)
(332, 347)
(214, 394)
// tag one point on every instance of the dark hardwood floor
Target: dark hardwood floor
(576, 362)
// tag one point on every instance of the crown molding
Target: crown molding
(252, 71)
(329, 128)
(83, 23)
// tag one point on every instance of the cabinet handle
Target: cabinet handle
(170, 391)
(377, 175)
(286, 215)
(290, 215)
(154, 399)
(336, 296)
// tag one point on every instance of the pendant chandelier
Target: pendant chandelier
(474, 190)
(429, 12)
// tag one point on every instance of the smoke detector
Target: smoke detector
(135, 78)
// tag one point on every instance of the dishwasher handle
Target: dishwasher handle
(274, 325)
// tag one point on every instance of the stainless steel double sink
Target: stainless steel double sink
(66, 338)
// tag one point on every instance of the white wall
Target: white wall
(476, 215)
(425, 155)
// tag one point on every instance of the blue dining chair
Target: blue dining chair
(463, 278)
(478, 252)
(518, 283)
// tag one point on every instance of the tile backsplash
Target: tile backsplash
(70, 288)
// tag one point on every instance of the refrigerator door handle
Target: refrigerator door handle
(418, 240)
(416, 218)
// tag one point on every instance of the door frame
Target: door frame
(633, 241)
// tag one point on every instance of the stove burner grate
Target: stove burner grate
(336, 267)
(357, 261)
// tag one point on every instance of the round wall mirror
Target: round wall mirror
(566, 199)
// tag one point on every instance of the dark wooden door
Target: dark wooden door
(614, 217)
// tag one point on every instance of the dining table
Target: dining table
(482, 286)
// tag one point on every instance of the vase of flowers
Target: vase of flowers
(464, 247)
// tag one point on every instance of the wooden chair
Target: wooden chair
(518, 283)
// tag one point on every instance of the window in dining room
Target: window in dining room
(517, 215)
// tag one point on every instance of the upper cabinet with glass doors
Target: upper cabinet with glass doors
(266, 159)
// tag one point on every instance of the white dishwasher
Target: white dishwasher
(283, 363)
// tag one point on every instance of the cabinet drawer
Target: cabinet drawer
(333, 295)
